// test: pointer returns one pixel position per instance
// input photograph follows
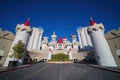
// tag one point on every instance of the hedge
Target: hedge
(60, 57)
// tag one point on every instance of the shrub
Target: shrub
(60, 57)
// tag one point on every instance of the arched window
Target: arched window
(118, 53)
(101, 28)
(94, 29)
(113, 33)
(18, 28)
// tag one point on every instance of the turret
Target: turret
(53, 42)
(74, 42)
(44, 42)
(103, 54)
(84, 38)
(60, 43)
(54, 37)
(22, 33)
(35, 39)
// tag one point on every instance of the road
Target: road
(43, 71)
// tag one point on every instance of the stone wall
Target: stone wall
(39, 55)
(6, 39)
(113, 38)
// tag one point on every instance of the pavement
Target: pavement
(43, 71)
(13, 68)
(114, 69)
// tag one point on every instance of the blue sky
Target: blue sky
(61, 16)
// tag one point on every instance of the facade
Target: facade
(6, 39)
(54, 46)
(91, 45)
(113, 38)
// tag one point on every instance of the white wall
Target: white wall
(104, 55)
(80, 41)
(35, 39)
(89, 42)
(83, 38)
(31, 40)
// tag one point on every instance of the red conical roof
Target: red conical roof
(60, 40)
(92, 22)
(27, 22)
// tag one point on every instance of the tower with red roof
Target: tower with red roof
(60, 43)
(103, 53)
(22, 33)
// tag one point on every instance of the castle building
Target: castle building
(22, 33)
(91, 45)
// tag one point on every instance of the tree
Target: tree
(18, 50)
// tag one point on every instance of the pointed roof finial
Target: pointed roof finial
(54, 33)
(92, 22)
(27, 22)
(28, 19)
(91, 18)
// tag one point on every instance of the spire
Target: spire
(27, 22)
(92, 22)
(54, 33)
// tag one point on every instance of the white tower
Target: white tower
(44, 42)
(53, 41)
(35, 39)
(84, 38)
(69, 49)
(22, 33)
(103, 55)
(79, 37)
(50, 53)
(60, 43)
(65, 41)
(74, 42)
(54, 37)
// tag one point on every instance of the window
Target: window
(94, 29)
(118, 53)
(119, 56)
(101, 28)
(0, 57)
